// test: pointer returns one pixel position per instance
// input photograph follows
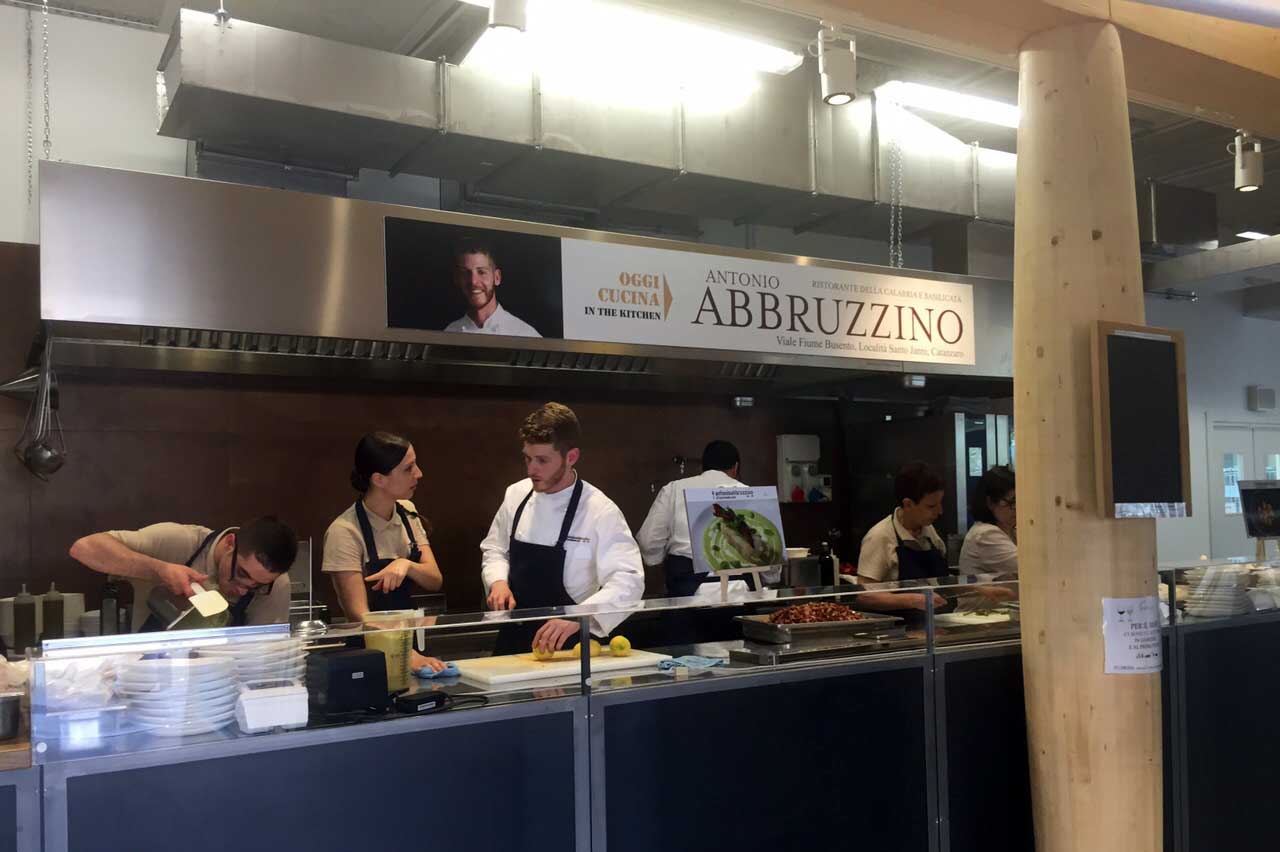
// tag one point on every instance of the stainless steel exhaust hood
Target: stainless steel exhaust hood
(777, 157)
(158, 272)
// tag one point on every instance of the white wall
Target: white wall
(102, 93)
(1226, 351)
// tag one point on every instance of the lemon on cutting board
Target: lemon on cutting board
(620, 646)
(573, 653)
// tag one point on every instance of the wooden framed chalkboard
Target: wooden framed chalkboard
(1143, 459)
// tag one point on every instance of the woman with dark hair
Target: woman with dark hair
(991, 546)
(377, 550)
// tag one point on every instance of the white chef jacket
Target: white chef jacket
(499, 322)
(988, 550)
(666, 529)
(602, 562)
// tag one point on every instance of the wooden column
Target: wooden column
(1094, 738)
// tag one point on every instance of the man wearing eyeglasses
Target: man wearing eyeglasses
(243, 563)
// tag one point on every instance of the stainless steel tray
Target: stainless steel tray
(769, 654)
(759, 628)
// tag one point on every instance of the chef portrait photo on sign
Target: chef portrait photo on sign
(444, 277)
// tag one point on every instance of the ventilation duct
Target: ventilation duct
(774, 156)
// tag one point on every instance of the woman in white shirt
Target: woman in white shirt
(991, 546)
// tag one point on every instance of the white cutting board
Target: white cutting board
(970, 619)
(516, 668)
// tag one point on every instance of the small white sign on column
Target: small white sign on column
(1131, 633)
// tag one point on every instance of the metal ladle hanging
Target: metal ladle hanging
(42, 448)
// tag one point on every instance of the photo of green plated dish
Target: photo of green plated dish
(740, 538)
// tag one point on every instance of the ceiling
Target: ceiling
(1168, 147)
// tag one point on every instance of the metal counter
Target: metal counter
(920, 749)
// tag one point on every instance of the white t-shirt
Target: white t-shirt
(666, 528)
(175, 543)
(988, 550)
(602, 562)
(344, 548)
(499, 322)
(879, 557)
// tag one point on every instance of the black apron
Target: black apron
(402, 597)
(536, 578)
(238, 611)
(913, 564)
(682, 582)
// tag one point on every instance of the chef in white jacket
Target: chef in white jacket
(664, 535)
(557, 541)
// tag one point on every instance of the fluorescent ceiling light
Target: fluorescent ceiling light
(949, 103)
(1252, 235)
(572, 26)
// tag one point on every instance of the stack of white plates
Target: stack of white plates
(279, 659)
(178, 697)
(1221, 592)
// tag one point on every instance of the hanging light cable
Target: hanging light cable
(30, 104)
(48, 115)
(896, 259)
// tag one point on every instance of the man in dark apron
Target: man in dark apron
(557, 541)
(243, 563)
(536, 578)
(904, 546)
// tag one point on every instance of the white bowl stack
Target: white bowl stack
(277, 659)
(1221, 592)
(181, 696)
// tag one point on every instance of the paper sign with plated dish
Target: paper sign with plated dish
(732, 529)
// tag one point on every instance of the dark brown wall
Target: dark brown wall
(215, 450)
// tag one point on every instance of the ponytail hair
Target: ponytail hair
(377, 452)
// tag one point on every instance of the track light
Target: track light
(837, 66)
(512, 14)
(1248, 151)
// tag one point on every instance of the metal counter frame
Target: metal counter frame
(56, 775)
(42, 803)
(26, 790)
(601, 700)
(939, 661)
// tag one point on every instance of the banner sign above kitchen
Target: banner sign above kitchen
(444, 277)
